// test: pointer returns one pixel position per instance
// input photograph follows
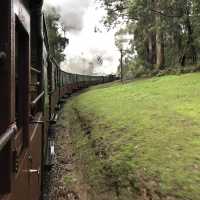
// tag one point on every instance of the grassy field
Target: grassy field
(140, 140)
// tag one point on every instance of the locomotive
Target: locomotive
(31, 86)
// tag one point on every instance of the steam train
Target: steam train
(31, 85)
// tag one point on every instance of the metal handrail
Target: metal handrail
(37, 98)
(7, 136)
(35, 70)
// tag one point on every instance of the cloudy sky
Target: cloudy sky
(81, 17)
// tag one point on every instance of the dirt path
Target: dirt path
(64, 181)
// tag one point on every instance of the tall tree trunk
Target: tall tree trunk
(160, 56)
(152, 48)
(177, 43)
(151, 39)
(189, 52)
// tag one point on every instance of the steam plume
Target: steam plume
(72, 12)
(93, 45)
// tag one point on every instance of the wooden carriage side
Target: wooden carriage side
(21, 110)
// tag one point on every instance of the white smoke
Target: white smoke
(85, 64)
(72, 12)
(80, 65)
(85, 45)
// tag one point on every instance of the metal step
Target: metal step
(54, 119)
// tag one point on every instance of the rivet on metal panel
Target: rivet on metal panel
(30, 158)
(15, 162)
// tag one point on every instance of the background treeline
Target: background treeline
(164, 35)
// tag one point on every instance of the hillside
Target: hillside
(140, 139)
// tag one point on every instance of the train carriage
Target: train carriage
(31, 84)
(72, 83)
(21, 86)
(53, 76)
(62, 84)
(67, 88)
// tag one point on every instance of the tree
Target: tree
(56, 32)
(166, 32)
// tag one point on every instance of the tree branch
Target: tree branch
(165, 15)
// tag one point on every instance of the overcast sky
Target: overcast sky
(81, 17)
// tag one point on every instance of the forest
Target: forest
(163, 35)
(134, 139)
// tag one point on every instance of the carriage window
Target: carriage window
(37, 93)
(21, 73)
(18, 88)
(21, 79)
(35, 89)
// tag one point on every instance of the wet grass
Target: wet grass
(144, 137)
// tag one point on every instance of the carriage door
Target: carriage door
(36, 126)
(28, 141)
(35, 130)
(20, 154)
(6, 109)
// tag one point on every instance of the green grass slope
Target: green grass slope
(141, 140)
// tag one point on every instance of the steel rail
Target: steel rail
(7, 136)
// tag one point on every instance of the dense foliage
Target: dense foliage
(165, 32)
(56, 34)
